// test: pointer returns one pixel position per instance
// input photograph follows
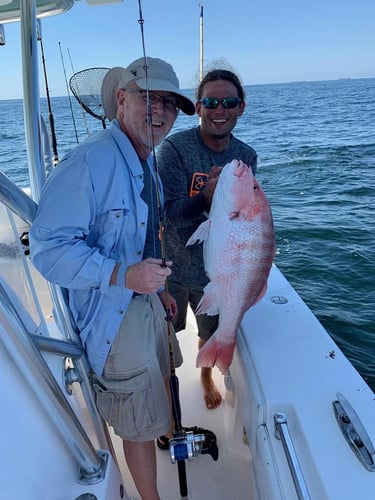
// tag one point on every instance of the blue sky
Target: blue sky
(265, 41)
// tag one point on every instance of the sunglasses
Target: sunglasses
(213, 102)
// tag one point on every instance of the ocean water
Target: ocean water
(316, 149)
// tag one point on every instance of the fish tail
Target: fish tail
(215, 353)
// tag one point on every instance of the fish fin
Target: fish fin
(216, 353)
(200, 234)
(208, 303)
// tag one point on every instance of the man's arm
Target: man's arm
(176, 179)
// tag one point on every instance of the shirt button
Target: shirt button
(139, 253)
(121, 311)
(143, 223)
(108, 341)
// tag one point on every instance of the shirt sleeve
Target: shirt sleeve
(59, 246)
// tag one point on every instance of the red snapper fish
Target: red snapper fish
(239, 247)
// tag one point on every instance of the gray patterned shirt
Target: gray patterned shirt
(184, 162)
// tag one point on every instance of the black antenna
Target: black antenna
(50, 114)
(67, 91)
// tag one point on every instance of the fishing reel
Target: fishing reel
(188, 443)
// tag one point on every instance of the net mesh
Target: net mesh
(86, 87)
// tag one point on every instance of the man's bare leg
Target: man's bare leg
(212, 396)
(141, 460)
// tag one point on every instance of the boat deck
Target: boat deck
(231, 472)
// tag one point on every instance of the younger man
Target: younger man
(189, 163)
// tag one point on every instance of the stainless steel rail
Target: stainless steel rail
(31, 101)
(56, 346)
(282, 432)
(15, 335)
(24, 207)
(16, 200)
(22, 349)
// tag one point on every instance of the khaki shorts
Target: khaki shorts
(131, 394)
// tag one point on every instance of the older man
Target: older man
(96, 234)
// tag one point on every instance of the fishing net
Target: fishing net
(86, 87)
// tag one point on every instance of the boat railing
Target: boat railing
(50, 318)
(16, 199)
(56, 346)
(19, 344)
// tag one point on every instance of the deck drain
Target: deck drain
(278, 299)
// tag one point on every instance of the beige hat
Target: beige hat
(160, 76)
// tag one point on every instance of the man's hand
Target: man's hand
(167, 300)
(147, 276)
(209, 188)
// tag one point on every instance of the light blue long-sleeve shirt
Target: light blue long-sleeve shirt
(90, 216)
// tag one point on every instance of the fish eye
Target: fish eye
(234, 215)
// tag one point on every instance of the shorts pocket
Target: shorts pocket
(126, 403)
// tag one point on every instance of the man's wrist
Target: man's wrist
(118, 275)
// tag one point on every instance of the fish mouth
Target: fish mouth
(240, 169)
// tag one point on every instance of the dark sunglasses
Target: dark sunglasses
(213, 102)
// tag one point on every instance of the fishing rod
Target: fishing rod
(173, 380)
(67, 91)
(201, 42)
(55, 158)
(200, 48)
(184, 445)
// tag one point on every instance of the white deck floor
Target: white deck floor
(227, 478)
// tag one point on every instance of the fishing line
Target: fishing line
(174, 385)
(152, 143)
(67, 91)
(83, 114)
